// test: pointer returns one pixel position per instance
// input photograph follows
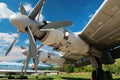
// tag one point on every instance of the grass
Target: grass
(72, 76)
(65, 76)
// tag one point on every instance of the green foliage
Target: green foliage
(114, 68)
(69, 68)
(83, 76)
(76, 69)
(88, 68)
(84, 69)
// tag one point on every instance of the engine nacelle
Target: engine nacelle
(48, 58)
(51, 58)
(61, 40)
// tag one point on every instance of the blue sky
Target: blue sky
(78, 11)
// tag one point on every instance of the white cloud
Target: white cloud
(41, 17)
(15, 54)
(7, 37)
(1, 50)
(28, 7)
(5, 40)
(4, 11)
(27, 41)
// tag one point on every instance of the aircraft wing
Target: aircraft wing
(103, 30)
(28, 71)
(15, 71)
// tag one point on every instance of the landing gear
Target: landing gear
(108, 75)
(99, 74)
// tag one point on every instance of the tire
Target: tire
(101, 75)
(109, 75)
(93, 75)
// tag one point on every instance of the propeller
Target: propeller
(23, 12)
(56, 25)
(32, 47)
(12, 44)
(22, 9)
(28, 54)
(32, 53)
(36, 9)
(40, 46)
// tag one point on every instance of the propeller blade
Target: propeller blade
(27, 61)
(22, 9)
(38, 17)
(56, 25)
(23, 68)
(22, 47)
(36, 9)
(11, 46)
(40, 46)
(32, 51)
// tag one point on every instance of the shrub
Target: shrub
(69, 68)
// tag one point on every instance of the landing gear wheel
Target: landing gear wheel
(101, 75)
(93, 75)
(109, 75)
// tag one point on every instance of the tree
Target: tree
(114, 68)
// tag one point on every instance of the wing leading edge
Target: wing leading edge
(103, 29)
